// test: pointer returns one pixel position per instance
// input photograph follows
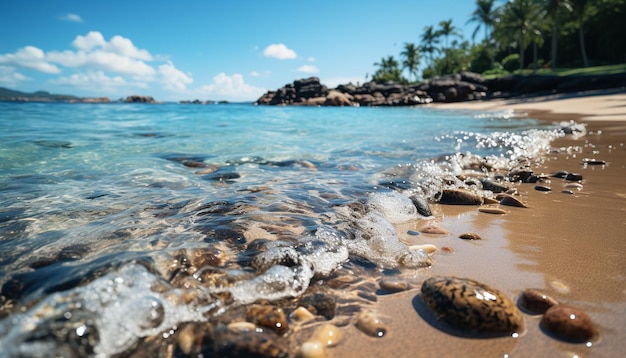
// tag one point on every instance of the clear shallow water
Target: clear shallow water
(237, 200)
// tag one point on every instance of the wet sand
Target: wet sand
(571, 246)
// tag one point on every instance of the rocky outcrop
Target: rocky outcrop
(464, 86)
(139, 99)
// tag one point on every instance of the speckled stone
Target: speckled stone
(270, 317)
(470, 305)
(470, 236)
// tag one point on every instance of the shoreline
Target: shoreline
(569, 246)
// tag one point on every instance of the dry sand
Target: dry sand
(571, 246)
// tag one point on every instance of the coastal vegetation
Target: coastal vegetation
(555, 37)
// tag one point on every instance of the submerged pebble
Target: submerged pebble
(370, 324)
(393, 284)
(573, 177)
(329, 334)
(568, 323)
(470, 305)
(312, 349)
(491, 210)
(542, 188)
(535, 301)
(434, 229)
(268, 316)
(470, 236)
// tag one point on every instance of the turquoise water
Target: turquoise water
(93, 196)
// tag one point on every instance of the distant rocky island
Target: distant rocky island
(43, 96)
(464, 86)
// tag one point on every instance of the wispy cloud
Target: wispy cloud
(279, 51)
(29, 57)
(71, 17)
(308, 69)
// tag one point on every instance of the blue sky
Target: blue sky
(220, 50)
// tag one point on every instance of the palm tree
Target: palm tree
(389, 70)
(411, 59)
(580, 8)
(554, 9)
(429, 40)
(447, 29)
(484, 15)
(517, 21)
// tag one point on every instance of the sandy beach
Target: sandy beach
(570, 246)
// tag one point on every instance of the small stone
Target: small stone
(492, 210)
(427, 248)
(319, 303)
(470, 236)
(447, 249)
(412, 232)
(493, 186)
(301, 314)
(268, 316)
(459, 197)
(421, 205)
(566, 191)
(490, 201)
(329, 335)
(568, 323)
(434, 229)
(312, 349)
(542, 188)
(588, 161)
(470, 305)
(370, 324)
(392, 284)
(509, 200)
(560, 174)
(573, 177)
(535, 301)
(576, 186)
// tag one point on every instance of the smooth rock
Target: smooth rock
(312, 349)
(268, 316)
(576, 186)
(421, 205)
(573, 177)
(470, 236)
(542, 188)
(427, 248)
(459, 197)
(319, 303)
(370, 324)
(568, 323)
(589, 161)
(392, 284)
(559, 174)
(512, 201)
(535, 301)
(302, 314)
(494, 186)
(470, 305)
(434, 229)
(492, 210)
(330, 335)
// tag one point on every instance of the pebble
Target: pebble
(560, 174)
(493, 186)
(492, 210)
(412, 232)
(392, 284)
(573, 177)
(470, 305)
(421, 205)
(312, 349)
(490, 201)
(589, 161)
(434, 229)
(470, 236)
(319, 303)
(370, 324)
(301, 314)
(459, 197)
(566, 191)
(535, 301)
(568, 323)
(330, 335)
(268, 316)
(512, 201)
(447, 249)
(542, 188)
(427, 248)
(576, 186)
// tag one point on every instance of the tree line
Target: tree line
(516, 35)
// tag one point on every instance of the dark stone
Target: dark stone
(319, 303)
(459, 197)
(535, 302)
(568, 323)
(421, 204)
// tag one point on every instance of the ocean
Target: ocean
(124, 221)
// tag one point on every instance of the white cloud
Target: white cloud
(91, 79)
(71, 17)
(90, 41)
(173, 78)
(260, 74)
(311, 59)
(102, 60)
(11, 78)
(279, 51)
(232, 88)
(308, 69)
(29, 57)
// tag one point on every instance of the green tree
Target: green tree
(554, 8)
(428, 42)
(410, 59)
(484, 15)
(446, 29)
(517, 19)
(388, 70)
(580, 8)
